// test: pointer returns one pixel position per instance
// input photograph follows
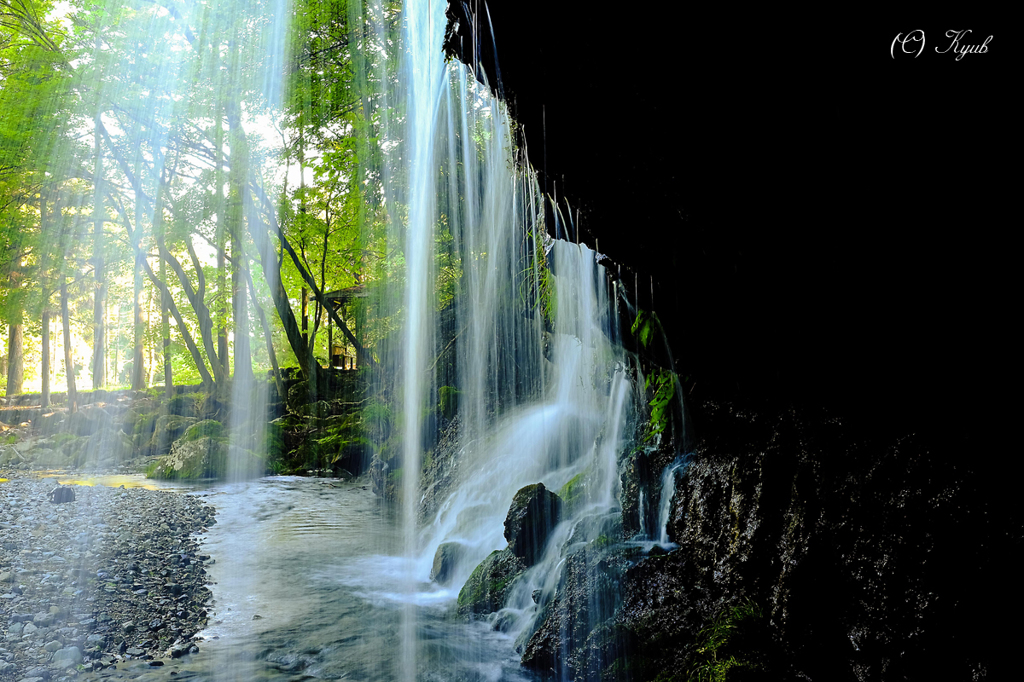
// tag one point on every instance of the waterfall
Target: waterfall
(668, 491)
(521, 329)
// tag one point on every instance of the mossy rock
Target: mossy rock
(208, 428)
(205, 457)
(69, 444)
(167, 429)
(138, 416)
(574, 492)
(321, 409)
(490, 582)
(448, 400)
(106, 447)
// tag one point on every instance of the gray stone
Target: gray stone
(67, 657)
(43, 620)
(53, 645)
(38, 672)
(445, 560)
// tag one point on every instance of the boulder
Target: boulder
(206, 428)
(534, 513)
(203, 457)
(490, 583)
(106, 447)
(168, 428)
(445, 560)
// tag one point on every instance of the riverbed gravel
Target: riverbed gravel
(115, 575)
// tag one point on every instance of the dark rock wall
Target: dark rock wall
(867, 560)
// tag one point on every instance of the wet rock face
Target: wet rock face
(852, 554)
(576, 620)
(487, 587)
(534, 513)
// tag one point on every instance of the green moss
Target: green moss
(475, 589)
(574, 491)
(448, 400)
(206, 428)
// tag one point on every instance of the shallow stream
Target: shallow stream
(308, 584)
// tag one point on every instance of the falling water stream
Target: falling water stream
(316, 579)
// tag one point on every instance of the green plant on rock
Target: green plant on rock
(574, 491)
(448, 400)
(716, 652)
(644, 326)
(664, 386)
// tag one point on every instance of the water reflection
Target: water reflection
(116, 481)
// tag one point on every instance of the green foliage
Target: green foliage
(663, 382)
(644, 326)
(378, 418)
(448, 400)
(714, 654)
(340, 434)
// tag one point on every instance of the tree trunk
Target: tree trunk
(165, 333)
(243, 349)
(44, 400)
(222, 245)
(139, 330)
(272, 274)
(278, 381)
(15, 360)
(99, 357)
(69, 368)
(305, 314)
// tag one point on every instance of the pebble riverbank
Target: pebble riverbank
(116, 575)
